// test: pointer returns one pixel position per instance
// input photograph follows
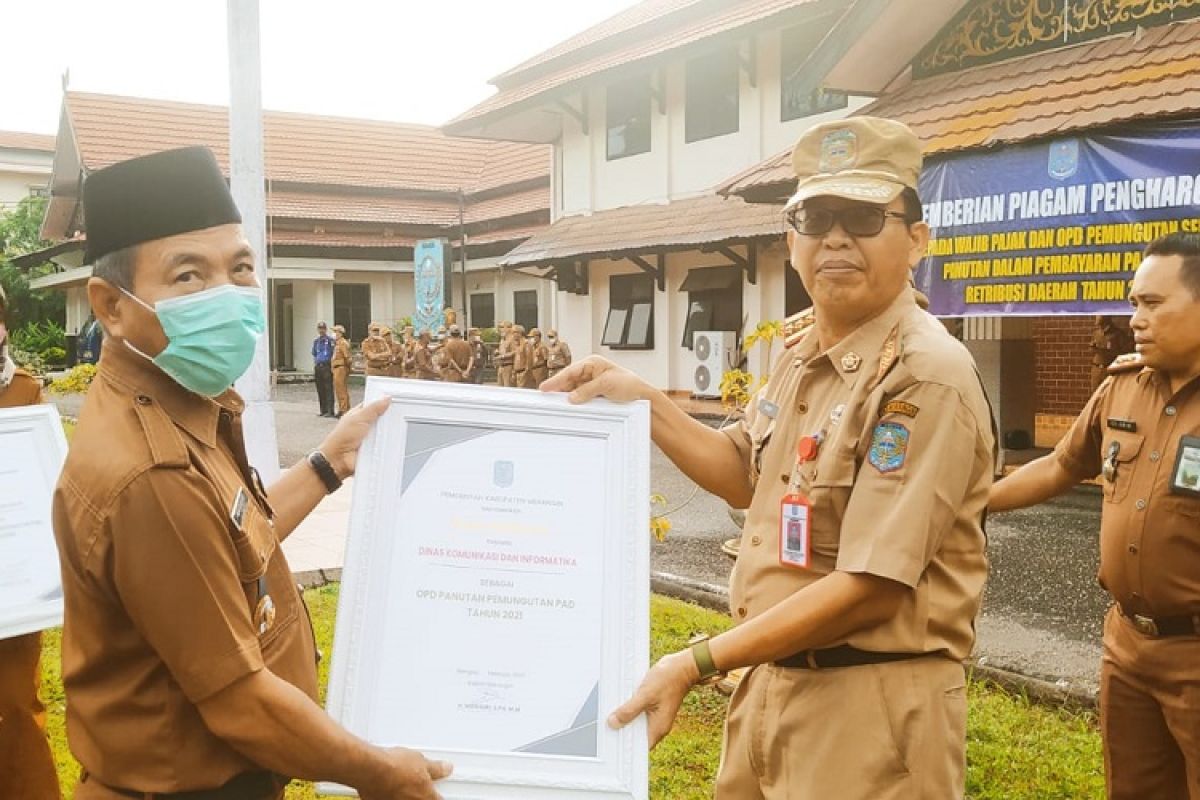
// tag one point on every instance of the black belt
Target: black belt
(247, 786)
(1182, 625)
(841, 656)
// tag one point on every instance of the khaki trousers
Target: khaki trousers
(894, 731)
(340, 389)
(506, 375)
(1149, 713)
(26, 766)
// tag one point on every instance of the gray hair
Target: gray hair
(117, 267)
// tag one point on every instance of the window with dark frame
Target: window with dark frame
(630, 322)
(483, 310)
(795, 296)
(797, 43)
(713, 89)
(714, 301)
(525, 308)
(628, 111)
(352, 308)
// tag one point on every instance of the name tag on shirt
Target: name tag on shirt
(1185, 479)
(1118, 424)
(238, 512)
(795, 547)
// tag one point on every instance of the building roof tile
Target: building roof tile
(1117, 80)
(522, 85)
(304, 148)
(682, 224)
(17, 140)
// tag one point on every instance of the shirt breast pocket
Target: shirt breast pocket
(760, 437)
(829, 494)
(1119, 460)
(265, 579)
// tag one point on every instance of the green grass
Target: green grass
(1016, 749)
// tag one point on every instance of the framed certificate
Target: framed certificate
(32, 451)
(495, 598)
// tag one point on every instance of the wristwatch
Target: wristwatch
(320, 464)
(709, 674)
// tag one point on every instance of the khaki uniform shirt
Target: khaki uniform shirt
(899, 485)
(423, 363)
(22, 390)
(1149, 540)
(378, 354)
(341, 354)
(456, 358)
(558, 356)
(161, 583)
(504, 353)
(522, 362)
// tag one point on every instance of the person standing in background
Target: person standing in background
(505, 356)
(322, 354)
(376, 351)
(558, 354)
(538, 369)
(26, 764)
(341, 369)
(478, 356)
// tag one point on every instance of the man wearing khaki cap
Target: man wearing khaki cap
(864, 464)
(341, 362)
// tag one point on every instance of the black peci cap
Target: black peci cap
(152, 197)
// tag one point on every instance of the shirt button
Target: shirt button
(1133, 549)
(785, 478)
(1140, 505)
(756, 540)
(1170, 411)
(802, 407)
(742, 611)
(142, 400)
(1154, 456)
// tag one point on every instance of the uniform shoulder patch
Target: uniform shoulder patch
(899, 407)
(889, 447)
(1126, 363)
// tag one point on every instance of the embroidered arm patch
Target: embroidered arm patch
(889, 447)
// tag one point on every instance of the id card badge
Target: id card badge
(794, 524)
(1185, 478)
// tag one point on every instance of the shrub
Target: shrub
(38, 337)
(31, 362)
(489, 335)
(54, 355)
(76, 381)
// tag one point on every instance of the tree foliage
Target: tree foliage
(20, 234)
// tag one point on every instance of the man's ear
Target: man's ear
(106, 306)
(918, 234)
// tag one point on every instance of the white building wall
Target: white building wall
(673, 168)
(670, 365)
(20, 171)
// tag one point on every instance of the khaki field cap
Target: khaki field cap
(858, 158)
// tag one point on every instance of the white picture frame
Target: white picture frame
(33, 448)
(377, 628)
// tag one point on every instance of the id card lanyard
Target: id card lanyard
(795, 510)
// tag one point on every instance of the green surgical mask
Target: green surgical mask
(211, 336)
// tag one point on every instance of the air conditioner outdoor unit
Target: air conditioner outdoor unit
(716, 354)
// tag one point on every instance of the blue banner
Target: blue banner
(431, 284)
(1058, 226)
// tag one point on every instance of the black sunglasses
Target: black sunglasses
(857, 220)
